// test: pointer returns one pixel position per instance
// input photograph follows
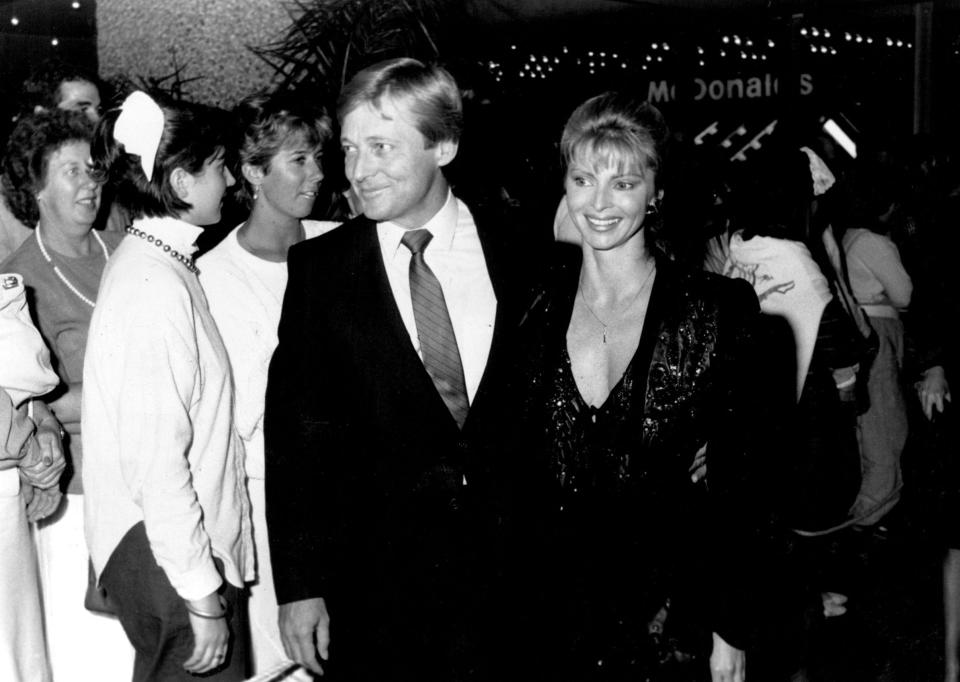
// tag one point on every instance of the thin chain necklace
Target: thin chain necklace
(66, 282)
(167, 249)
(628, 306)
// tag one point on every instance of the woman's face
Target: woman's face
(608, 198)
(205, 190)
(290, 187)
(70, 197)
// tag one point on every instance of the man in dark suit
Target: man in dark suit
(389, 478)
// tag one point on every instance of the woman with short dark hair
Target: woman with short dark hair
(167, 514)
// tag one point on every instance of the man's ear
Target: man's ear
(181, 181)
(446, 151)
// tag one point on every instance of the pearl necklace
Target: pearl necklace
(156, 241)
(66, 282)
(628, 306)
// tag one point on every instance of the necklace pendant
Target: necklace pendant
(604, 334)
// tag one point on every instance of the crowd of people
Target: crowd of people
(429, 440)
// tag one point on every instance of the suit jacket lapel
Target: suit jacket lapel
(384, 332)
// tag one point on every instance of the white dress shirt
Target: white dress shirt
(455, 256)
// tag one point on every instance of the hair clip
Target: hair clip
(139, 128)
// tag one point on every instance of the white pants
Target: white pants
(265, 642)
(23, 656)
(83, 645)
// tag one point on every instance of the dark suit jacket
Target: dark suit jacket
(376, 501)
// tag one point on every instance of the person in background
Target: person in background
(244, 278)
(167, 517)
(48, 184)
(882, 288)
(31, 463)
(56, 85)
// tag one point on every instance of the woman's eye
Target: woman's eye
(579, 181)
(625, 185)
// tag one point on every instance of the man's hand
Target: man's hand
(727, 664)
(305, 631)
(932, 390)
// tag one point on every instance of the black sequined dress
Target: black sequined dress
(628, 580)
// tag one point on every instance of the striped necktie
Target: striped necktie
(438, 344)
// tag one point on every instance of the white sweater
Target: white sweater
(158, 434)
(246, 294)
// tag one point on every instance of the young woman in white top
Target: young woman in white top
(244, 278)
(166, 510)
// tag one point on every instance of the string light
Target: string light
(15, 21)
(55, 42)
(75, 4)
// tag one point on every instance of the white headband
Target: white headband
(139, 128)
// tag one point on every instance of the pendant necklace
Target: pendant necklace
(629, 305)
(67, 283)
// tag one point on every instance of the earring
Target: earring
(652, 209)
(256, 192)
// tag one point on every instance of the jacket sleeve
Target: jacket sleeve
(302, 423)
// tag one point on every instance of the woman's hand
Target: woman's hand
(44, 462)
(211, 636)
(932, 390)
(42, 503)
(727, 664)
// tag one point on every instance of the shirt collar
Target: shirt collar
(180, 235)
(443, 227)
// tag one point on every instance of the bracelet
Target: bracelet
(206, 614)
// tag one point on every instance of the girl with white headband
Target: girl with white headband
(167, 515)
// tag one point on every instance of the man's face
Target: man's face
(80, 96)
(395, 177)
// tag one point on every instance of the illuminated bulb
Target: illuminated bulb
(546, 60)
(623, 65)
(514, 47)
(556, 60)
(614, 56)
(771, 44)
(899, 43)
(814, 32)
(847, 36)
(736, 40)
(910, 45)
(701, 62)
(749, 43)
(649, 58)
(655, 46)
(803, 31)
(603, 64)
(14, 21)
(699, 50)
(813, 48)
(659, 58)
(869, 41)
(589, 54)
(726, 40)
(522, 74)
(743, 55)
(833, 50)
(75, 5)
(823, 49)
(55, 42)
(763, 57)
(666, 46)
(889, 42)
(860, 38)
(826, 33)
(603, 54)
(723, 53)
(644, 67)
(565, 49)
(592, 65)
